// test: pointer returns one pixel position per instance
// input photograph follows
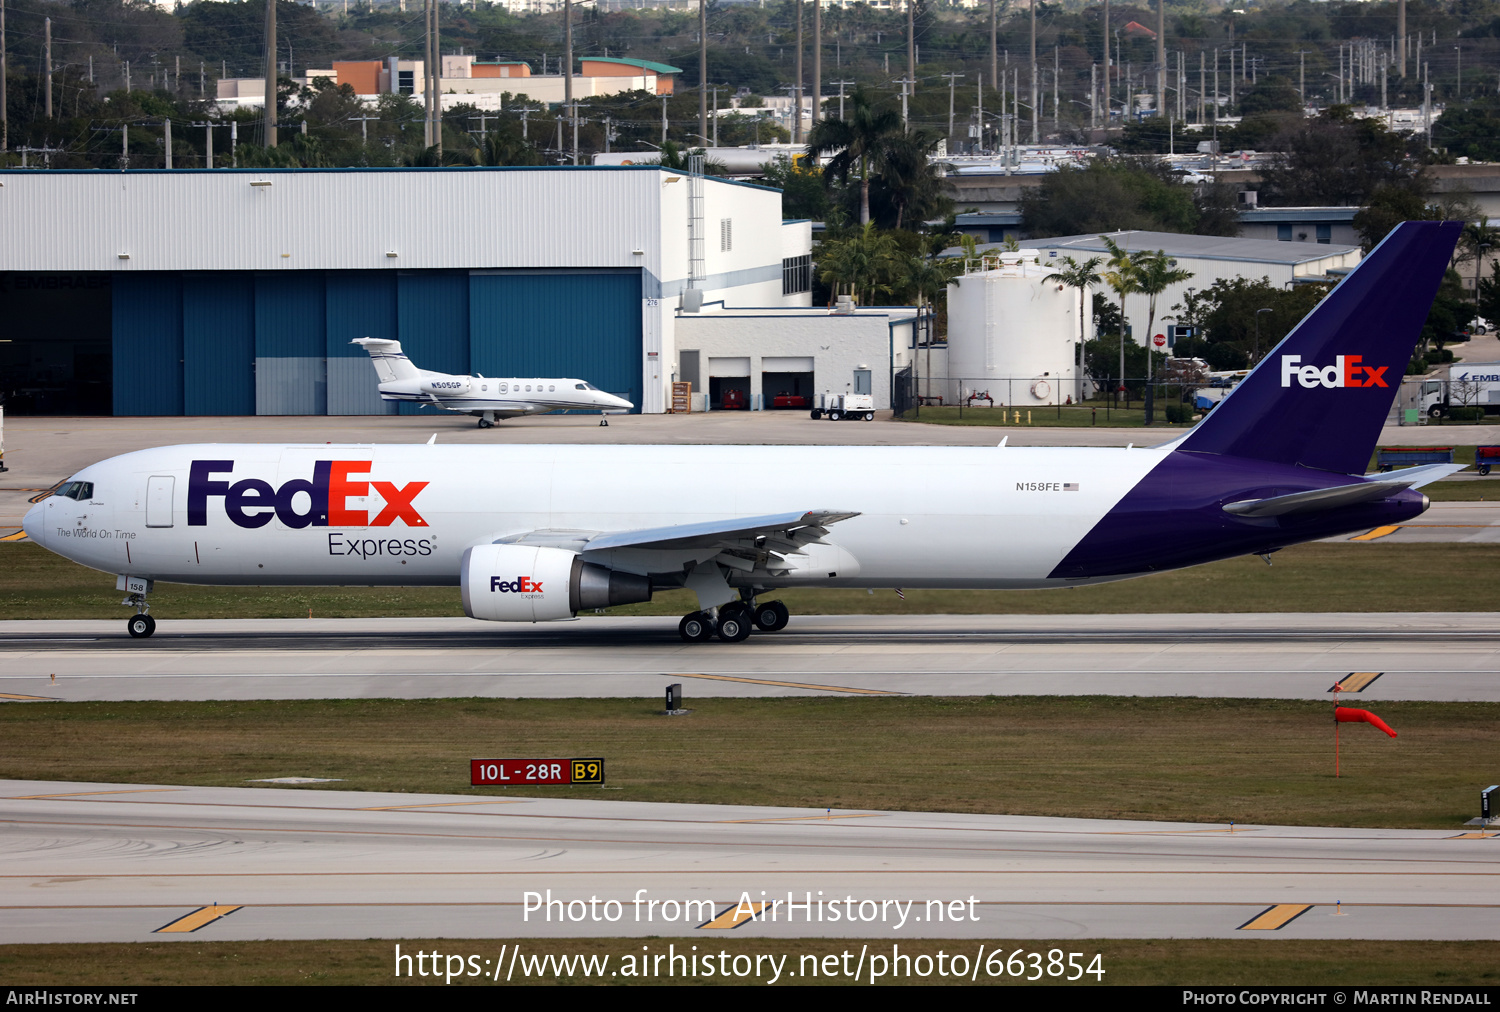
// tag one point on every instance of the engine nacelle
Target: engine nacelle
(521, 583)
(446, 386)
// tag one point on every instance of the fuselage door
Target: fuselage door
(159, 500)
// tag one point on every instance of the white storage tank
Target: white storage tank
(1013, 336)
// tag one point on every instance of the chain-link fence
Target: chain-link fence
(1050, 400)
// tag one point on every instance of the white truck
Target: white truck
(1469, 385)
(850, 406)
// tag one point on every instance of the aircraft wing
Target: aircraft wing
(1342, 495)
(780, 533)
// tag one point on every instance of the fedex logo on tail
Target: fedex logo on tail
(253, 502)
(1345, 372)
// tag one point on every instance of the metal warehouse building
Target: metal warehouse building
(237, 292)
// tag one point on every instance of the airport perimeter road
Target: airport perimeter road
(112, 862)
(41, 452)
(1447, 656)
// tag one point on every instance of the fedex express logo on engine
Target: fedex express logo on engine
(1345, 372)
(520, 585)
(252, 502)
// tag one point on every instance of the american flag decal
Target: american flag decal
(1070, 486)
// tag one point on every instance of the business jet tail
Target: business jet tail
(1320, 397)
(391, 363)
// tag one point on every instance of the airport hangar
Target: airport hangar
(237, 292)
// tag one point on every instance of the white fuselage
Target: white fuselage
(1000, 517)
(502, 398)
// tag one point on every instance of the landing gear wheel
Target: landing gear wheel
(485, 423)
(695, 628)
(734, 624)
(772, 616)
(141, 626)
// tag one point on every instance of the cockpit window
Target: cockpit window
(77, 490)
(585, 386)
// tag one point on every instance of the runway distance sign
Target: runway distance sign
(535, 772)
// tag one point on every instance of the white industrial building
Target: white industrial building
(793, 358)
(238, 291)
(1209, 258)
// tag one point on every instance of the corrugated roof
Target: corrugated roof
(655, 68)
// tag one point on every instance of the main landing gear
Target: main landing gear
(487, 420)
(732, 622)
(141, 624)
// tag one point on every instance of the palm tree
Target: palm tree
(928, 278)
(863, 262)
(1081, 276)
(1123, 278)
(858, 143)
(1154, 273)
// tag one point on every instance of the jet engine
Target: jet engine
(522, 583)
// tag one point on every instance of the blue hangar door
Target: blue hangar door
(582, 323)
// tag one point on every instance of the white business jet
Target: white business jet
(487, 398)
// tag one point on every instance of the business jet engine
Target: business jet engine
(522, 583)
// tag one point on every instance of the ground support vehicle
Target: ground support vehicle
(850, 406)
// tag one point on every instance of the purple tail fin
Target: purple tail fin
(1320, 397)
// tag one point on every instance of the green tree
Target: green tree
(1110, 195)
(1081, 276)
(1339, 161)
(858, 144)
(1124, 277)
(861, 264)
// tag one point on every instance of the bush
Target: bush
(1469, 414)
(1177, 413)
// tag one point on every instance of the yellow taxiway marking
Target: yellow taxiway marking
(1356, 681)
(197, 919)
(789, 685)
(1274, 918)
(86, 794)
(450, 804)
(1378, 532)
(734, 916)
(26, 699)
(1481, 835)
(807, 818)
(18, 536)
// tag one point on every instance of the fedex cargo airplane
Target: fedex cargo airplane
(486, 397)
(535, 533)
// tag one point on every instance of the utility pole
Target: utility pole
(1302, 77)
(1093, 96)
(664, 118)
(202, 77)
(904, 82)
(1106, 64)
(841, 95)
(911, 50)
(124, 146)
(1401, 39)
(952, 81)
(47, 29)
(1056, 74)
(703, 72)
(166, 141)
(817, 68)
(979, 113)
(1034, 127)
(1202, 84)
(994, 58)
(568, 71)
(364, 129)
(208, 142)
(797, 88)
(1161, 59)
(234, 143)
(270, 128)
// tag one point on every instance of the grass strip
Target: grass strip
(1191, 760)
(35, 584)
(1237, 962)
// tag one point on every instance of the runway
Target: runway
(1432, 656)
(119, 862)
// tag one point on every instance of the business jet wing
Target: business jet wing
(781, 533)
(1342, 495)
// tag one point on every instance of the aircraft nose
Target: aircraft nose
(618, 402)
(35, 522)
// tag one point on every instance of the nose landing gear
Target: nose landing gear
(141, 624)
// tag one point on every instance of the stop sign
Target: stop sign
(1160, 340)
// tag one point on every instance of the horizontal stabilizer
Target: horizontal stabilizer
(1341, 495)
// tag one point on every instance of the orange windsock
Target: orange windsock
(1349, 715)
